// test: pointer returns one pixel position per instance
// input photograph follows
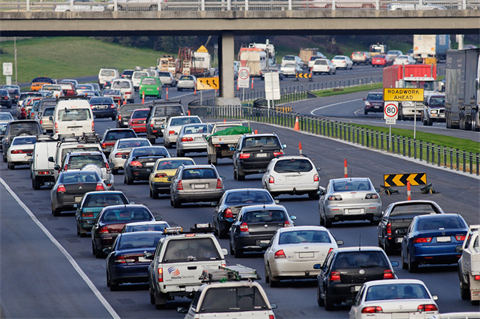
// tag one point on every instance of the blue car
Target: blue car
(433, 239)
(103, 106)
(126, 261)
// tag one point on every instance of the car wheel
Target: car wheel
(320, 301)
(329, 305)
(127, 180)
(232, 252)
(238, 253)
(81, 231)
(465, 291)
(154, 194)
(11, 166)
(273, 282)
(176, 203)
(429, 122)
(110, 283)
(388, 249)
(113, 118)
(179, 89)
(114, 171)
(328, 222)
(152, 140)
(412, 265)
(55, 211)
(402, 259)
(160, 300)
(240, 175)
(180, 153)
(98, 252)
(166, 144)
(152, 297)
(365, 112)
(35, 184)
(313, 195)
(4, 158)
(93, 248)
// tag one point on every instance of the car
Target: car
(24, 96)
(290, 69)
(18, 128)
(70, 188)
(294, 175)
(126, 88)
(399, 5)
(124, 112)
(111, 135)
(127, 74)
(313, 58)
(91, 93)
(254, 227)
(167, 78)
(346, 269)
(14, 91)
(150, 86)
(158, 225)
(187, 82)
(352, 198)
(121, 149)
(373, 102)
(103, 107)
(56, 89)
(83, 88)
(410, 53)
(141, 161)
(137, 121)
(107, 74)
(45, 102)
(96, 87)
(110, 222)
(342, 61)
(361, 57)
(381, 60)
(174, 125)
(433, 109)
(20, 151)
(293, 251)
(323, 66)
(196, 183)
(393, 54)
(38, 82)
(126, 262)
(116, 95)
(232, 202)
(73, 81)
(391, 298)
(137, 77)
(404, 59)
(271, 68)
(433, 239)
(68, 88)
(161, 176)
(397, 217)
(27, 111)
(191, 138)
(160, 111)
(5, 118)
(5, 99)
(292, 59)
(253, 153)
(91, 205)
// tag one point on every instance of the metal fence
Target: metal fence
(438, 155)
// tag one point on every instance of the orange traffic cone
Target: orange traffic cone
(195, 91)
(125, 101)
(143, 97)
(188, 112)
(297, 125)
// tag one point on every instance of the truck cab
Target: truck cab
(469, 266)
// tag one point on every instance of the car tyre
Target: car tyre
(388, 248)
(98, 252)
(274, 283)
(114, 171)
(55, 211)
(167, 145)
(313, 195)
(11, 166)
(240, 175)
(81, 231)
(175, 203)
(154, 194)
(329, 305)
(152, 297)
(180, 153)
(320, 301)
(464, 291)
(114, 286)
(412, 265)
(238, 253)
(160, 301)
(4, 158)
(152, 140)
(127, 180)
(322, 221)
(36, 184)
(404, 264)
(365, 112)
(328, 222)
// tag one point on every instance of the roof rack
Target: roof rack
(72, 97)
(84, 138)
(229, 273)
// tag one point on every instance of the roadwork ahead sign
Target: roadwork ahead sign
(403, 95)
(208, 83)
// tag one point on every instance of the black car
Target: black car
(109, 223)
(127, 74)
(346, 269)
(232, 201)
(373, 102)
(103, 106)
(16, 128)
(14, 93)
(254, 152)
(70, 187)
(111, 135)
(158, 116)
(5, 99)
(125, 260)
(125, 111)
(141, 162)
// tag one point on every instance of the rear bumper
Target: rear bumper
(161, 187)
(104, 112)
(200, 197)
(252, 242)
(130, 273)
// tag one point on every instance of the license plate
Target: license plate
(74, 129)
(150, 164)
(197, 186)
(262, 155)
(264, 241)
(443, 239)
(125, 123)
(306, 255)
(78, 199)
(377, 107)
(399, 240)
(354, 211)
(199, 139)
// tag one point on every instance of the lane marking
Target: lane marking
(329, 105)
(69, 257)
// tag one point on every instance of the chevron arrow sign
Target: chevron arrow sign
(401, 179)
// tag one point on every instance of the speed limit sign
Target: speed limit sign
(390, 110)
(243, 77)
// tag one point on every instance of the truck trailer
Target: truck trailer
(430, 46)
(462, 94)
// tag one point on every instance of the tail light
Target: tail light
(127, 259)
(56, 127)
(315, 178)
(460, 237)
(104, 145)
(151, 124)
(160, 274)
(244, 156)
(65, 167)
(372, 309)
(422, 240)
(334, 197)
(171, 132)
(99, 187)
(244, 227)
(271, 316)
(187, 139)
(160, 175)
(428, 307)
(389, 229)
(388, 274)
(93, 127)
(476, 277)
(371, 196)
(24, 152)
(118, 154)
(271, 180)
(87, 215)
(329, 251)
(136, 163)
(328, 68)
(280, 254)
(287, 224)
(119, 117)
(134, 121)
(180, 186)
(41, 122)
(120, 260)
(228, 213)
(335, 276)
(61, 189)
(219, 183)
(128, 93)
(279, 153)
(108, 168)
(103, 230)
(112, 106)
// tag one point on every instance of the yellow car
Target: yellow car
(38, 82)
(161, 177)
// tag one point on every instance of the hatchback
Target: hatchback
(167, 78)
(151, 86)
(5, 99)
(381, 60)
(162, 173)
(20, 152)
(137, 77)
(121, 149)
(103, 107)
(361, 57)
(342, 61)
(191, 138)
(137, 121)
(323, 66)
(373, 102)
(290, 69)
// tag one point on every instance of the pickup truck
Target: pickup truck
(396, 219)
(469, 266)
(160, 111)
(224, 137)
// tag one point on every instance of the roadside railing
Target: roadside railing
(437, 155)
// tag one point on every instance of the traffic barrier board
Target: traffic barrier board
(394, 94)
(208, 83)
(303, 75)
(401, 179)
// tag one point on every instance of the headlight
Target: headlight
(433, 111)
(367, 103)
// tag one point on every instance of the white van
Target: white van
(125, 86)
(72, 118)
(106, 74)
(292, 59)
(137, 77)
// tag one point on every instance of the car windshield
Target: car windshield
(293, 165)
(396, 291)
(289, 58)
(101, 100)
(126, 214)
(232, 299)
(28, 128)
(66, 150)
(186, 250)
(440, 222)
(339, 58)
(180, 121)
(248, 197)
(304, 236)
(437, 101)
(24, 140)
(52, 88)
(197, 129)
(186, 78)
(411, 208)
(102, 200)
(120, 85)
(70, 115)
(79, 161)
(173, 164)
(321, 62)
(426, 85)
(145, 227)
(84, 177)
(265, 216)
(351, 186)
(116, 135)
(23, 96)
(150, 151)
(133, 143)
(375, 97)
(261, 141)
(140, 114)
(381, 56)
(107, 72)
(199, 173)
(163, 74)
(139, 75)
(365, 259)
(85, 87)
(111, 92)
(139, 241)
(149, 81)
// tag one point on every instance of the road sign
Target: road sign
(208, 83)
(272, 86)
(401, 179)
(7, 68)
(243, 77)
(391, 121)
(303, 75)
(390, 110)
(403, 95)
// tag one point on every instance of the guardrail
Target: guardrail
(234, 5)
(438, 155)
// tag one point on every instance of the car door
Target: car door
(321, 201)
(382, 225)
(325, 272)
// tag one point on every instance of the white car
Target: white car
(323, 66)
(393, 54)
(20, 151)
(292, 59)
(293, 251)
(126, 88)
(404, 59)
(137, 77)
(122, 149)
(191, 138)
(82, 88)
(395, 298)
(167, 78)
(294, 175)
(315, 57)
(173, 127)
(56, 90)
(342, 61)
(157, 225)
(186, 82)
(290, 69)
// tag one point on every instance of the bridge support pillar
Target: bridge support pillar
(226, 56)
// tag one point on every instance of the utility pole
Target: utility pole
(15, 52)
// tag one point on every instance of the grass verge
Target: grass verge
(352, 89)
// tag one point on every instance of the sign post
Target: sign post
(390, 114)
(8, 72)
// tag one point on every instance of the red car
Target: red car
(381, 60)
(138, 120)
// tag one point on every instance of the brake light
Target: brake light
(335, 276)
(287, 224)
(56, 127)
(136, 163)
(315, 178)
(329, 251)
(120, 260)
(85, 215)
(371, 196)
(171, 132)
(180, 186)
(389, 229)
(160, 274)
(422, 240)
(151, 124)
(476, 277)
(335, 197)
(271, 316)
(271, 180)
(187, 139)
(104, 145)
(61, 189)
(219, 183)
(244, 227)
(460, 237)
(41, 122)
(244, 155)
(93, 127)
(388, 274)
(372, 309)
(128, 93)
(119, 117)
(160, 175)
(108, 168)
(103, 230)
(65, 167)
(428, 307)
(112, 106)
(99, 187)
(24, 152)
(280, 254)
(228, 213)
(118, 154)
(279, 153)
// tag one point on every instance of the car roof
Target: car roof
(352, 179)
(197, 166)
(396, 281)
(153, 222)
(126, 206)
(414, 201)
(85, 153)
(103, 193)
(290, 157)
(132, 139)
(259, 135)
(143, 232)
(360, 248)
(307, 227)
(239, 190)
(78, 173)
(436, 216)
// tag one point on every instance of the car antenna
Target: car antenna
(360, 242)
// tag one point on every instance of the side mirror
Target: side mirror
(223, 177)
(56, 167)
(435, 297)
(182, 310)
(364, 98)
(273, 305)
(51, 160)
(224, 251)
(319, 169)
(317, 266)
(173, 155)
(276, 201)
(148, 255)
(340, 242)
(214, 204)
(232, 149)
(377, 190)
(321, 191)
(158, 218)
(284, 146)
(293, 217)
(107, 251)
(394, 263)
(458, 249)
(131, 202)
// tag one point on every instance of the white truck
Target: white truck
(469, 266)
(430, 46)
(253, 58)
(41, 170)
(224, 137)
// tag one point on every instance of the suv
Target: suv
(178, 262)
(45, 118)
(433, 109)
(157, 117)
(125, 86)
(107, 75)
(361, 57)
(16, 128)
(254, 152)
(111, 135)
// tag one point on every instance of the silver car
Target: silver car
(291, 69)
(186, 82)
(173, 127)
(349, 199)
(192, 138)
(196, 183)
(167, 78)
(122, 149)
(46, 118)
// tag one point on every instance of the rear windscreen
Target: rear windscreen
(293, 165)
(168, 110)
(70, 115)
(199, 173)
(418, 209)
(304, 236)
(364, 259)
(79, 161)
(65, 151)
(198, 249)
(27, 128)
(116, 135)
(232, 299)
(102, 200)
(265, 216)
(180, 121)
(261, 141)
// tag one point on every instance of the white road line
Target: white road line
(72, 261)
(324, 107)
